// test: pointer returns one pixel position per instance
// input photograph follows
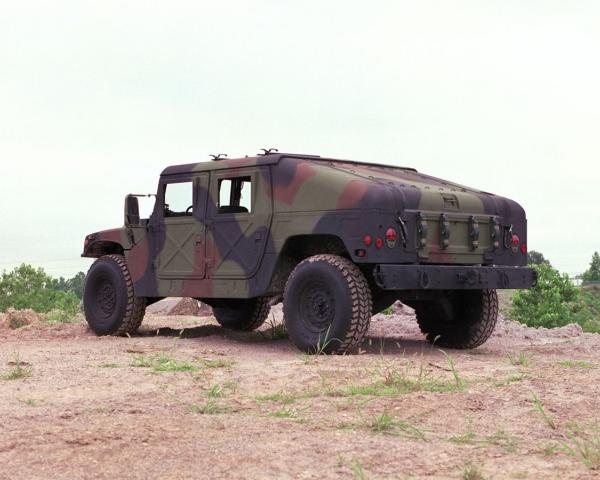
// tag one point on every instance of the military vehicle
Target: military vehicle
(339, 240)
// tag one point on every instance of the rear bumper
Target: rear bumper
(452, 277)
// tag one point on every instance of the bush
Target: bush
(589, 316)
(553, 302)
(27, 287)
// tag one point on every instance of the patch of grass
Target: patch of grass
(216, 391)
(217, 363)
(519, 360)
(385, 423)
(108, 365)
(472, 472)
(162, 362)
(18, 371)
(502, 439)
(209, 408)
(276, 330)
(550, 449)
(283, 413)
(61, 316)
(391, 381)
(30, 402)
(467, 438)
(511, 379)
(283, 397)
(459, 383)
(357, 470)
(539, 407)
(585, 447)
(322, 344)
(388, 311)
(575, 364)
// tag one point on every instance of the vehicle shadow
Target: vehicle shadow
(372, 345)
(398, 346)
(210, 330)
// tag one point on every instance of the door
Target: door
(239, 216)
(183, 232)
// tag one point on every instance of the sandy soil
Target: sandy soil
(187, 399)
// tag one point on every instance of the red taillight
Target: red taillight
(524, 248)
(515, 240)
(378, 242)
(367, 240)
(390, 237)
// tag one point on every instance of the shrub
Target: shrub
(553, 302)
(27, 287)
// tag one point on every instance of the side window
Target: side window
(235, 195)
(179, 199)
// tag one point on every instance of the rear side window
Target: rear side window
(235, 195)
(179, 199)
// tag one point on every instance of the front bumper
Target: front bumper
(452, 277)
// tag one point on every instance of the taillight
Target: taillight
(524, 248)
(390, 237)
(378, 242)
(367, 240)
(514, 243)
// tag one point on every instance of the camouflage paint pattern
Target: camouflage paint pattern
(305, 205)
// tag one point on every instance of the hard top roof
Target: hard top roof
(267, 159)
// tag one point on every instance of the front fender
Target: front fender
(106, 242)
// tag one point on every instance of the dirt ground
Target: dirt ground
(187, 399)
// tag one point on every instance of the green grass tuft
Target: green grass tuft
(385, 423)
(283, 397)
(209, 408)
(284, 413)
(18, 371)
(162, 362)
(519, 360)
(539, 407)
(575, 364)
(217, 363)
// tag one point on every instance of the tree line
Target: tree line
(29, 287)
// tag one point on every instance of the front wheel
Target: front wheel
(109, 301)
(327, 305)
(460, 318)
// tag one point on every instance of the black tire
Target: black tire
(243, 315)
(109, 301)
(327, 305)
(467, 321)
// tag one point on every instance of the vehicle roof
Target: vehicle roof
(268, 159)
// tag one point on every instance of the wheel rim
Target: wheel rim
(106, 298)
(317, 307)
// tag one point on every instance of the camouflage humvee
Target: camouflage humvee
(340, 240)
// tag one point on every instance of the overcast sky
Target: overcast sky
(96, 98)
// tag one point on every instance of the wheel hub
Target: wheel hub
(317, 307)
(107, 297)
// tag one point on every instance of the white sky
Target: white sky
(97, 97)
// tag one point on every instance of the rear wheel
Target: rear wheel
(327, 305)
(109, 301)
(460, 319)
(245, 315)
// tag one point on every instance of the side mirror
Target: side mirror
(132, 211)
